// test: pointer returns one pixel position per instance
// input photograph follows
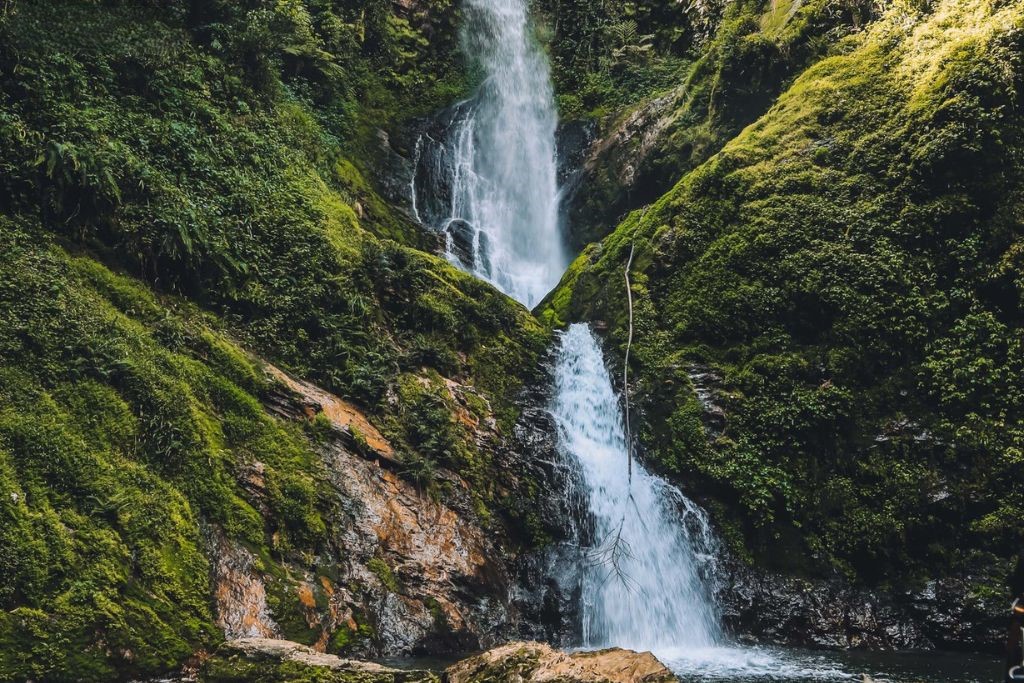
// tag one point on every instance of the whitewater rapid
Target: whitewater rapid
(647, 554)
(647, 575)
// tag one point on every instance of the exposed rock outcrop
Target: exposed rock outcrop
(546, 590)
(239, 591)
(403, 572)
(947, 614)
(539, 663)
(346, 418)
(613, 177)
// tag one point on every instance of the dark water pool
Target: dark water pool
(764, 665)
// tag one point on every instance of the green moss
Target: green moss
(834, 263)
(742, 59)
(383, 572)
(179, 183)
(234, 668)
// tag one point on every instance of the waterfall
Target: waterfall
(485, 175)
(649, 561)
(498, 159)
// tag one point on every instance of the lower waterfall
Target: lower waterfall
(646, 566)
(646, 579)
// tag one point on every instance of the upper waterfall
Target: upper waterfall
(498, 159)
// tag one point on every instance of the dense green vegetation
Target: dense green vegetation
(670, 107)
(850, 265)
(179, 181)
(186, 190)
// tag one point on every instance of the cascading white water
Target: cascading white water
(501, 158)
(647, 568)
(490, 183)
(646, 575)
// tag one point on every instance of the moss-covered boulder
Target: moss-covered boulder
(262, 660)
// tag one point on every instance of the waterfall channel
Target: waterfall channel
(648, 554)
(647, 567)
(488, 181)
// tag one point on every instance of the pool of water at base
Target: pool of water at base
(776, 665)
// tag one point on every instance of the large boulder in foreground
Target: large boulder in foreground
(539, 663)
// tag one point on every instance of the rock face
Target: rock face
(766, 608)
(614, 175)
(538, 663)
(344, 416)
(411, 172)
(546, 587)
(403, 572)
(239, 591)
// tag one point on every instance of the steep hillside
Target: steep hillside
(828, 311)
(241, 395)
(184, 199)
(668, 84)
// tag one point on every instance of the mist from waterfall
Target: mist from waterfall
(499, 161)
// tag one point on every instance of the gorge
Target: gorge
(314, 316)
(645, 570)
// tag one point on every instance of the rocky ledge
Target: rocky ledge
(947, 614)
(267, 660)
(539, 663)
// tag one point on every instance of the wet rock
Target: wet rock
(461, 236)
(394, 172)
(799, 612)
(614, 177)
(768, 608)
(414, 169)
(537, 663)
(546, 589)
(573, 141)
(707, 385)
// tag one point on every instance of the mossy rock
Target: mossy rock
(275, 661)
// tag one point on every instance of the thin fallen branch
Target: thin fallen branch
(629, 347)
(625, 365)
(615, 551)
